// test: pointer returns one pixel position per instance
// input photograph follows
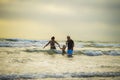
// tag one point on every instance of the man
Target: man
(70, 45)
(52, 43)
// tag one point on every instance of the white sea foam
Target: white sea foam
(106, 45)
(92, 52)
(78, 46)
(112, 52)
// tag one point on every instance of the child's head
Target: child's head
(64, 47)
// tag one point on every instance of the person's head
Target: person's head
(64, 47)
(68, 38)
(53, 38)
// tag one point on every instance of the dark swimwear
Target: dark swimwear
(70, 44)
(52, 45)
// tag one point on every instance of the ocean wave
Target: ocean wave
(106, 45)
(21, 43)
(41, 43)
(112, 52)
(78, 52)
(92, 52)
(59, 75)
(98, 52)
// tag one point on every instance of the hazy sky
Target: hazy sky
(41, 19)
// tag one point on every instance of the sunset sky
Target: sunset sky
(40, 19)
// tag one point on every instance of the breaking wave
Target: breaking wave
(78, 44)
(63, 75)
(78, 52)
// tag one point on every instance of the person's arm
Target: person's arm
(66, 43)
(47, 44)
(58, 44)
(73, 44)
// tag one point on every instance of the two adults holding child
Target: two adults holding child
(69, 44)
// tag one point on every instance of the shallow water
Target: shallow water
(89, 48)
(27, 59)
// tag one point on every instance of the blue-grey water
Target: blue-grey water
(80, 46)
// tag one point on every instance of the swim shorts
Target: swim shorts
(70, 52)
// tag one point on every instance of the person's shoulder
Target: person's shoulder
(72, 40)
(55, 41)
(49, 40)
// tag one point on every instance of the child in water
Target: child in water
(63, 49)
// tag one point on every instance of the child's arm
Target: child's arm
(60, 48)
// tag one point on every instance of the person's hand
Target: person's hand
(60, 47)
(43, 47)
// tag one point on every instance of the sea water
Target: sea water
(90, 48)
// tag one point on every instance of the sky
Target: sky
(97, 20)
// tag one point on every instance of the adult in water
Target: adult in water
(52, 43)
(70, 46)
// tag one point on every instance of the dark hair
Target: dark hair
(68, 36)
(53, 37)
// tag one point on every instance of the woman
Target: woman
(52, 43)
